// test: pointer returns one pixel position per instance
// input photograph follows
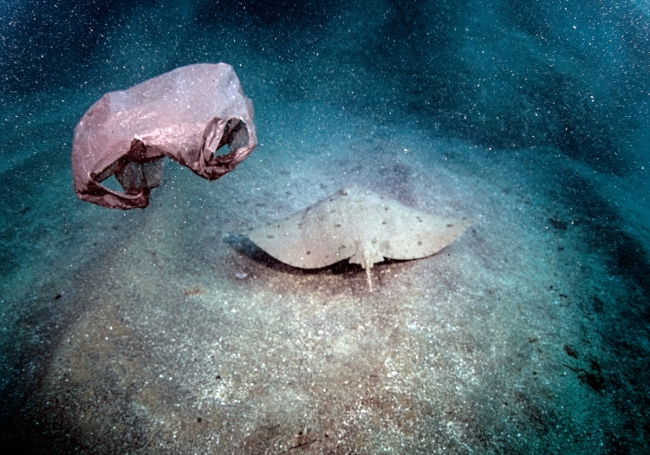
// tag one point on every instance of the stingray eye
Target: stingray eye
(450, 225)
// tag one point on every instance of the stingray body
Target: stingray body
(358, 224)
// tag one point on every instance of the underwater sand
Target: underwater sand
(165, 330)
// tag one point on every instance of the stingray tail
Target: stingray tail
(367, 265)
(368, 278)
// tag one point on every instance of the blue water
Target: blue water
(531, 336)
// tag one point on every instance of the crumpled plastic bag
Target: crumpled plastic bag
(186, 115)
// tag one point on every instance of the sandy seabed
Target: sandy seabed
(165, 330)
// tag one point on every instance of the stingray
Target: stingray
(358, 225)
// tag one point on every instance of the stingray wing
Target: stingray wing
(384, 228)
(314, 238)
(419, 234)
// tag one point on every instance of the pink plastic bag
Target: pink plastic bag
(187, 115)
